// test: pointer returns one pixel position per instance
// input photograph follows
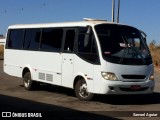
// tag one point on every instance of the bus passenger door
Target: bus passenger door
(68, 59)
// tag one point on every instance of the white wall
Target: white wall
(2, 41)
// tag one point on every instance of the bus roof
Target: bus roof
(87, 22)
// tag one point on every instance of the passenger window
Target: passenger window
(15, 39)
(69, 40)
(51, 39)
(87, 48)
(32, 38)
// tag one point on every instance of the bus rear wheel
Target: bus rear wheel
(27, 81)
(81, 90)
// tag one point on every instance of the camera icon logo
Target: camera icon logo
(6, 114)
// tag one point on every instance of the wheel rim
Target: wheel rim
(26, 82)
(83, 92)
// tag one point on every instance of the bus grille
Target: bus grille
(134, 76)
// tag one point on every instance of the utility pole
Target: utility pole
(113, 9)
(118, 11)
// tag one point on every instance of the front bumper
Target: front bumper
(120, 87)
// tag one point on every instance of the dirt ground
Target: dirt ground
(53, 102)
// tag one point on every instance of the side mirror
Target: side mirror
(143, 35)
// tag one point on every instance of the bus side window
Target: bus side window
(69, 40)
(32, 38)
(15, 39)
(51, 39)
(87, 48)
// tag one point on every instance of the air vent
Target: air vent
(41, 76)
(133, 76)
(49, 77)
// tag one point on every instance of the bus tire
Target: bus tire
(27, 81)
(81, 90)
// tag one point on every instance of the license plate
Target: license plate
(135, 87)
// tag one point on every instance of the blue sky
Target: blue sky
(143, 14)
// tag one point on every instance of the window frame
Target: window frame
(25, 29)
(64, 39)
(60, 50)
(9, 36)
(81, 55)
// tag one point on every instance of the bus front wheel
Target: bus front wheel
(81, 90)
(27, 81)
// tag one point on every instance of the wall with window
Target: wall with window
(47, 39)
(87, 47)
(53, 39)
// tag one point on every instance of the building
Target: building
(1, 36)
(2, 43)
(2, 39)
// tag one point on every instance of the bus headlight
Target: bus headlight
(151, 77)
(109, 76)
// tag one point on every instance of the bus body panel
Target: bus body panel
(102, 86)
(86, 70)
(98, 79)
(67, 70)
(120, 70)
(62, 68)
(46, 68)
(126, 84)
(12, 66)
(119, 87)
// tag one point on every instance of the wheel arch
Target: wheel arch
(27, 68)
(82, 92)
(78, 77)
(90, 83)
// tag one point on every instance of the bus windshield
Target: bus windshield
(123, 45)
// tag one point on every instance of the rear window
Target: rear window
(15, 39)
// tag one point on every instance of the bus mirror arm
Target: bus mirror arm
(144, 35)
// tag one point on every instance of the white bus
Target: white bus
(91, 57)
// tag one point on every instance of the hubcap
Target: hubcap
(83, 92)
(26, 82)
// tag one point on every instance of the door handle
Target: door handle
(58, 73)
